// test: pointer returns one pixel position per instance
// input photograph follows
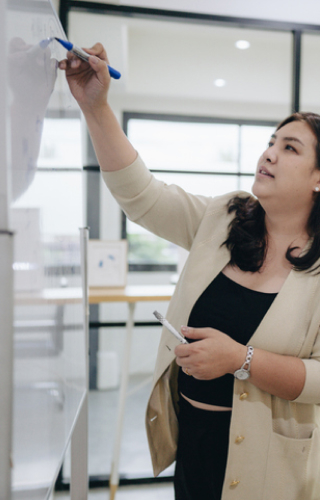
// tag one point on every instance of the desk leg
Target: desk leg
(114, 478)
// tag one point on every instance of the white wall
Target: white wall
(171, 67)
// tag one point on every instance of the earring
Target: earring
(317, 188)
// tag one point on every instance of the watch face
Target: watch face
(242, 374)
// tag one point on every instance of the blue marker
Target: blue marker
(85, 56)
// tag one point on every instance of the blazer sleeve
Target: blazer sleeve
(311, 391)
(165, 210)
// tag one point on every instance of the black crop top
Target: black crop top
(234, 310)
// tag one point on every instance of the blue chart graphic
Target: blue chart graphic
(107, 264)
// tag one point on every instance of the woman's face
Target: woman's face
(286, 174)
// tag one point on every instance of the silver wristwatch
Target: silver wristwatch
(244, 372)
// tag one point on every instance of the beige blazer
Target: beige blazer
(279, 457)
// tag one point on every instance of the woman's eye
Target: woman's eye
(290, 148)
(270, 144)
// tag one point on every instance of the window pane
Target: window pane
(254, 140)
(58, 196)
(60, 144)
(169, 145)
(246, 183)
(146, 248)
(60, 214)
(196, 146)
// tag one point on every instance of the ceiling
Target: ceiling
(176, 60)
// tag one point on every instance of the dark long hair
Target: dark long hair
(247, 239)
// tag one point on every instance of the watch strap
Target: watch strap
(247, 364)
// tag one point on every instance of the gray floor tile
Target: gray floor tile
(134, 459)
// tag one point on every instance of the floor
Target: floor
(134, 459)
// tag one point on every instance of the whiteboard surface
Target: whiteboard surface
(49, 343)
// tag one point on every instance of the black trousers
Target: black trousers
(202, 453)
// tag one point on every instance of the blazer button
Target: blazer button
(243, 396)
(239, 439)
(235, 482)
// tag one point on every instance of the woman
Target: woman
(245, 392)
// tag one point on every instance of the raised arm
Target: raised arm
(89, 84)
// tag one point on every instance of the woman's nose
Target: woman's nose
(270, 154)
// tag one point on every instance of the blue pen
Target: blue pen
(84, 56)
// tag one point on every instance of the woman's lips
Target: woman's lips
(265, 172)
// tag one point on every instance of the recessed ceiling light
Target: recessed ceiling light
(242, 44)
(220, 82)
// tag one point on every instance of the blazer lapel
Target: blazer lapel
(282, 330)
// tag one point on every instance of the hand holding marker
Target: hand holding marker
(85, 56)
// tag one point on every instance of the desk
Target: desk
(50, 296)
(131, 295)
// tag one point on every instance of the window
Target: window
(203, 156)
(61, 144)
(56, 192)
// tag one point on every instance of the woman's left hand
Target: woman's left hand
(213, 355)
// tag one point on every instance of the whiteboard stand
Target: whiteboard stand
(79, 455)
(6, 284)
(6, 361)
(79, 439)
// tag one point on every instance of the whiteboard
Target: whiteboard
(49, 339)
